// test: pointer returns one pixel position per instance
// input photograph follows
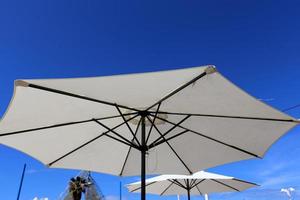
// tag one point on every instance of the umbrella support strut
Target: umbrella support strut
(143, 156)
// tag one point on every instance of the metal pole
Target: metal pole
(189, 194)
(21, 183)
(120, 190)
(188, 188)
(143, 158)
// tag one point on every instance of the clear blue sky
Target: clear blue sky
(255, 43)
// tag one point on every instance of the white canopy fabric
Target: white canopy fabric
(196, 119)
(199, 183)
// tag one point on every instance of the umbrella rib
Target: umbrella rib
(167, 139)
(213, 139)
(114, 132)
(225, 185)
(228, 116)
(199, 190)
(173, 150)
(131, 131)
(177, 183)
(196, 184)
(123, 167)
(136, 189)
(166, 189)
(178, 89)
(79, 147)
(76, 96)
(154, 118)
(45, 127)
(245, 181)
(90, 141)
(55, 126)
(122, 141)
(193, 182)
(186, 183)
(171, 129)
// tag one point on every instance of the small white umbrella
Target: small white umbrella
(194, 119)
(200, 183)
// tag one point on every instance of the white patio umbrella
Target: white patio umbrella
(182, 121)
(200, 183)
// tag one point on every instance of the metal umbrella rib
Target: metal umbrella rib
(126, 122)
(77, 96)
(225, 185)
(178, 89)
(59, 125)
(231, 117)
(127, 155)
(154, 118)
(165, 190)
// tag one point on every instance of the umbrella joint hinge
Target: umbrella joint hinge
(144, 113)
(144, 148)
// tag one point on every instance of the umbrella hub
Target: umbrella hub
(149, 115)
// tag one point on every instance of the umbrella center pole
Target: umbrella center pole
(143, 155)
(189, 193)
(188, 188)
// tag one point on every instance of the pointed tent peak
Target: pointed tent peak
(210, 69)
(21, 83)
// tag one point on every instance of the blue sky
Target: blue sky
(254, 43)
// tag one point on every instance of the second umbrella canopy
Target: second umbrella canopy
(199, 183)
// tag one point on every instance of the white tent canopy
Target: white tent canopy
(199, 183)
(185, 120)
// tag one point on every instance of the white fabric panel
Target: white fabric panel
(225, 185)
(239, 184)
(254, 136)
(209, 186)
(158, 188)
(133, 90)
(213, 94)
(49, 144)
(201, 153)
(208, 175)
(103, 154)
(32, 108)
(173, 190)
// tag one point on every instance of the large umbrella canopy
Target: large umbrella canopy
(179, 121)
(199, 183)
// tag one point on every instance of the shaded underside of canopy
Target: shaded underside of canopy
(195, 118)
